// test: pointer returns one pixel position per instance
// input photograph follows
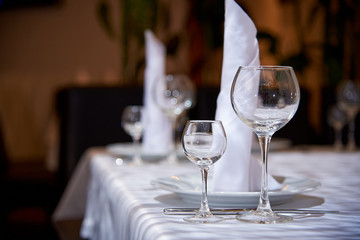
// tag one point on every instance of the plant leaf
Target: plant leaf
(105, 19)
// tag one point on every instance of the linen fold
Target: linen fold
(237, 170)
(157, 127)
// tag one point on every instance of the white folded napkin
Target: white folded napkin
(157, 131)
(237, 170)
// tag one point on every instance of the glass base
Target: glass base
(263, 217)
(204, 218)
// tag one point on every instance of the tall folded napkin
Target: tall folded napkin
(157, 131)
(237, 170)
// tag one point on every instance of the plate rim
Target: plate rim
(315, 186)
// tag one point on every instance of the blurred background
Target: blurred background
(48, 45)
(53, 43)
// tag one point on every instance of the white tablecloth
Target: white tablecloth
(122, 204)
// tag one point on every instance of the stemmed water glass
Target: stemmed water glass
(349, 100)
(174, 94)
(204, 142)
(265, 98)
(132, 122)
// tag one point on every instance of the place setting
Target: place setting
(265, 99)
(253, 99)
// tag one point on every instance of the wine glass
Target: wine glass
(349, 100)
(174, 94)
(204, 142)
(265, 98)
(337, 119)
(132, 123)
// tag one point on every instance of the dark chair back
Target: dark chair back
(205, 107)
(91, 116)
(298, 129)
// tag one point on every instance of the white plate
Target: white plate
(188, 187)
(127, 150)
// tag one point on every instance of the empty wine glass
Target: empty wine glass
(265, 98)
(349, 100)
(337, 119)
(204, 142)
(132, 123)
(174, 94)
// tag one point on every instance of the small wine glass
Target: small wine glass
(337, 119)
(174, 94)
(204, 142)
(265, 98)
(132, 123)
(348, 98)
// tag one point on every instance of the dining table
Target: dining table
(117, 200)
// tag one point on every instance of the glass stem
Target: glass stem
(351, 145)
(264, 203)
(204, 210)
(338, 139)
(137, 154)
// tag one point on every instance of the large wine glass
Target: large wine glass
(349, 100)
(133, 123)
(204, 142)
(174, 94)
(265, 98)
